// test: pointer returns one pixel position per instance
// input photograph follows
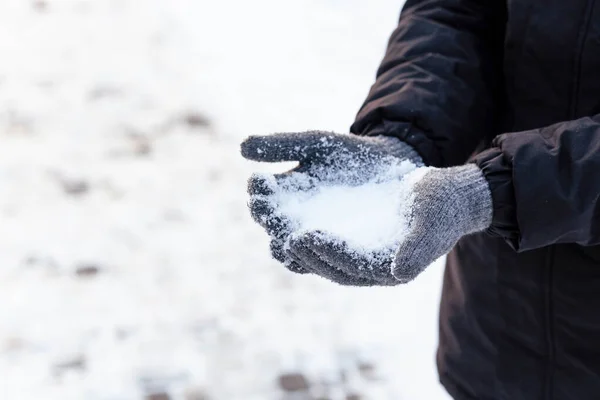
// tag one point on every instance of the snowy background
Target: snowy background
(130, 268)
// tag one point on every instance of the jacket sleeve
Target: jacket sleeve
(439, 86)
(545, 184)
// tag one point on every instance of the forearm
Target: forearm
(545, 184)
(439, 86)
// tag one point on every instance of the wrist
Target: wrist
(498, 171)
(474, 197)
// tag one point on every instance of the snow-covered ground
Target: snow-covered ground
(129, 267)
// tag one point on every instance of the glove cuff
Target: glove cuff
(399, 149)
(474, 196)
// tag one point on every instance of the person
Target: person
(502, 98)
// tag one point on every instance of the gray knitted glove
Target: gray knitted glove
(447, 204)
(322, 157)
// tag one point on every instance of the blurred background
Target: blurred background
(130, 268)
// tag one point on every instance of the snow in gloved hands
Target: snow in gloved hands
(368, 216)
(349, 198)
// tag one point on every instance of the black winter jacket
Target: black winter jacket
(514, 87)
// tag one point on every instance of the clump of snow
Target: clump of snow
(368, 216)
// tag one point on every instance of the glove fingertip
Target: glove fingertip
(277, 250)
(260, 209)
(261, 185)
(251, 148)
(296, 268)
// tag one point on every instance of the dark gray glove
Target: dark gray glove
(323, 157)
(447, 204)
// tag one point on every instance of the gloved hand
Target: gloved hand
(323, 157)
(447, 204)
